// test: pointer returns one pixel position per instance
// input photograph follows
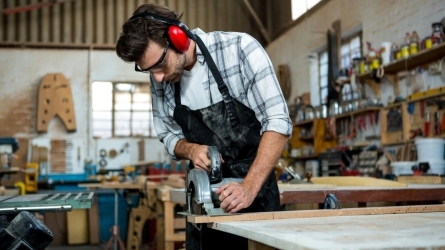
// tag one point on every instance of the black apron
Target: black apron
(234, 129)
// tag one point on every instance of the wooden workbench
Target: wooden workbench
(296, 195)
(166, 223)
(412, 230)
(364, 194)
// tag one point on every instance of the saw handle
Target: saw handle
(215, 174)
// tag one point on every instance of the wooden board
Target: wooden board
(356, 181)
(421, 179)
(285, 186)
(389, 231)
(365, 194)
(316, 213)
(55, 98)
(115, 185)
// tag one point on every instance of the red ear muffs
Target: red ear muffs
(178, 38)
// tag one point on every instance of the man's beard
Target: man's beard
(176, 74)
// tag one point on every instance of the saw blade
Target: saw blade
(195, 207)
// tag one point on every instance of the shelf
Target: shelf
(357, 112)
(309, 157)
(305, 122)
(395, 105)
(421, 58)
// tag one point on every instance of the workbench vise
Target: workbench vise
(24, 232)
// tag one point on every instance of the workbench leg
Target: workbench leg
(169, 225)
(160, 240)
(255, 245)
(138, 217)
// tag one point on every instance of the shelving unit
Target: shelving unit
(391, 70)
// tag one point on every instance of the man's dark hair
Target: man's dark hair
(137, 33)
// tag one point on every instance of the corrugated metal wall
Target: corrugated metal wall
(97, 23)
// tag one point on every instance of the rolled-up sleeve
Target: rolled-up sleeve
(168, 131)
(263, 90)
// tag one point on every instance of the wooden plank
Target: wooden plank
(160, 237)
(10, 20)
(212, 15)
(78, 22)
(121, 17)
(110, 20)
(93, 223)
(68, 22)
(168, 224)
(356, 181)
(421, 179)
(23, 27)
(89, 17)
(316, 213)
(365, 194)
(100, 22)
(192, 14)
(56, 22)
(390, 231)
(115, 185)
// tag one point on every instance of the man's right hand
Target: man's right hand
(197, 154)
(200, 157)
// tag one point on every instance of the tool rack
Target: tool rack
(414, 113)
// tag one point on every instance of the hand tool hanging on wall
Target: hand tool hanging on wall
(411, 112)
(426, 128)
(55, 98)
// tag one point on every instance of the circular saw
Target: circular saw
(201, 185)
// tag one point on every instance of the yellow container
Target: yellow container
(404, 50)
(375, 63)
(399, 54)
(362, 66)
(427, 43)
(413, 48)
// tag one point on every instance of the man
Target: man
(237, 106)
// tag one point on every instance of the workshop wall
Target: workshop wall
(381, 20)
(22, 71)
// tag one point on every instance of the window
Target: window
(122, 109)
(350, 48)
(299, 7)
(323, 77)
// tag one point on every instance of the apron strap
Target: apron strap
(219, 80)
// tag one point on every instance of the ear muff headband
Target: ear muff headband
(178, 33)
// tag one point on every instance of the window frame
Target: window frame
(151, 133)
(344, 40)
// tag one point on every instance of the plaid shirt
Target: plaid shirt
(247, 72)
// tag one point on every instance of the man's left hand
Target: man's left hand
(235, 196)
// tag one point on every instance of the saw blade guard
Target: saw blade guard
(198, 180)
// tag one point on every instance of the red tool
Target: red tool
(426, 128)
(437, 125)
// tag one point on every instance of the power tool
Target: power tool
(201, 186)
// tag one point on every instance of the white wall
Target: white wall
(21, 72)
(382, 20)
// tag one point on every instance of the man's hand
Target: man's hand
(235, 196)
(199, 157)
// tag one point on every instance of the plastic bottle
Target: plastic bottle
(414, 45)
(407, 38)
